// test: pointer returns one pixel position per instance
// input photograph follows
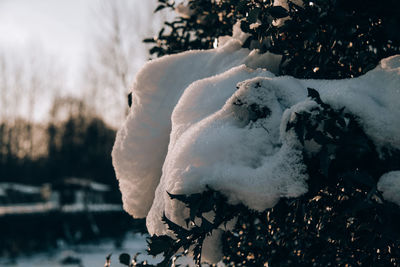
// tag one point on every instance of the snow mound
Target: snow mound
(389, 185)
(374, 98)
(141, 144)
(214, 118)
(220, 143)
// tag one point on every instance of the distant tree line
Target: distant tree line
(74, 143)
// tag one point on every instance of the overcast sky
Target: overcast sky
(65, 30)
(60, 26)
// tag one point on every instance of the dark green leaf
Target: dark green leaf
(159, 244)
(182, 198)
(179, 231)
(149, 40)
(160, 7)
(313, 94)
(125, 259)
(278, 12)
(360, 178)
(253, 15)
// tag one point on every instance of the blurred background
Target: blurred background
(65, 71)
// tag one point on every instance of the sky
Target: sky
(60, 27)
(63, 29)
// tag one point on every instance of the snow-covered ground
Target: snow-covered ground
(93, 255)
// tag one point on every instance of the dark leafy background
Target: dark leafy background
(320, 39)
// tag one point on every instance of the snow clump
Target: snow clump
(142, 142)
(389, 185)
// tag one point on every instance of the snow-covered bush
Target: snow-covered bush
(228, 161)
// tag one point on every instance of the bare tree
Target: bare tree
(118, 53)
(26, 84)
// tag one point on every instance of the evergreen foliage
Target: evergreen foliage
(318, 39)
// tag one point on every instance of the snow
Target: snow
(89, 255)
(389, 185)
(26, 189)
(218, 118)
(85, 183)
(27, 208)
(46, 207)
(142, 142)
(184, 11)
(374, 98)
(80, 207)
(284, 3)
(214, 142)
